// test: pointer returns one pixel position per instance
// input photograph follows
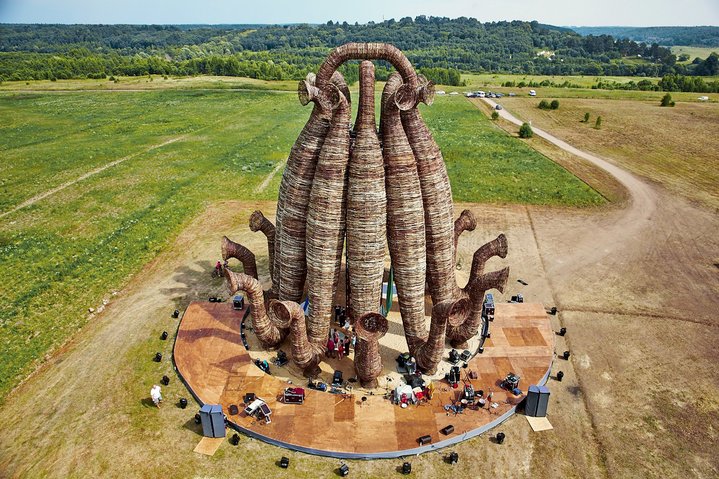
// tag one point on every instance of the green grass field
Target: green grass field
(694, 52)
(65, 253)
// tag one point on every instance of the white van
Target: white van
(532, 93)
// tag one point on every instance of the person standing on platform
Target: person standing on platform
(340, 349)
(348, 342)
(330, 347)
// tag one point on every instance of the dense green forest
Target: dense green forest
(441, 48)
(705, 36)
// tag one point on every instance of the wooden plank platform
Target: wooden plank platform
(210, 357)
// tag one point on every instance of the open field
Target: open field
(635, 286)
(694, 52)
(677, 147)
(171, 153)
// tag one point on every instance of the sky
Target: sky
(554, 12)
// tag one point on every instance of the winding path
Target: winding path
(598, 242)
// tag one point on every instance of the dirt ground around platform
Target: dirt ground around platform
(636, 289)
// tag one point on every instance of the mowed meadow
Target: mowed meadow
(180, 150)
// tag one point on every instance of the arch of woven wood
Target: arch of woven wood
(383, 188)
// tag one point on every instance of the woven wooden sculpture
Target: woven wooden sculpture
(387, 190)
(230, 249)
(258, 222)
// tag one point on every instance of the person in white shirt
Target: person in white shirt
(156, 395)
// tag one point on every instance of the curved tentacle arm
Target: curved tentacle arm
(413, 90)
(230, 249)
(258, 222)
(306, 355)
(269, 332)
(466, 222)
(461, 333)
(370, 327)
(496, 247)
(444, 314)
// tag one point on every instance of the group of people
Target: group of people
(220, 268)
(339, 344)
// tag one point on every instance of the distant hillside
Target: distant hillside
(667, 36)
(440, 47)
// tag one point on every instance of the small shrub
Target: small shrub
(586, 117)
(543, 105)
(495, 115)
(112, 78)
(598, 123)
(525, 131)
(554, 105)
(53, 78)
(667, 100)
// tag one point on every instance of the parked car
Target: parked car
(512, 94)
(498, 107)
(532, 93)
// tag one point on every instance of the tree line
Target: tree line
(439, 47)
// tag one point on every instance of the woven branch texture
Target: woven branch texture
(465, 222)
(267, 332)
(258, 222)
(366, 205)
(370, 328)
(326, 224)
(230, 249)
(438, 207)
(387, 189)
(405, 217)
(290, 260)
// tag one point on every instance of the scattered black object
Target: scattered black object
(565, 355)
(488, 335)
(517, 299)
(480, 350)
(453, 356)
(158, 357)
(521, 281)
(447, 430)
(234, 410)
(406, 468)
(511, 382)
(344, 470)
(176, 313)
(553, 311)
(422, 440)
(212, 299)
(415, 381)
(453, 458)
(249, 397)
(465, 355)
(238, 302)
(235, 439)
(165, 380)
(562, 331)
(263, 365)
(285, 462)
(337, 378)
(183, 403)
(560, 375)
(198, 419)
(453, 375)
(163, 336)
(500, 437)
(281, 358)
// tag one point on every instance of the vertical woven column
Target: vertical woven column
(370, 328)
(258, 222)
(230, 249)
(290, 262)
(326, 224)
(405, 217)
(366, 205)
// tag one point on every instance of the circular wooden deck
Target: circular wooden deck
(211, 359)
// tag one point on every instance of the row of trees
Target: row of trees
(462, 44)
